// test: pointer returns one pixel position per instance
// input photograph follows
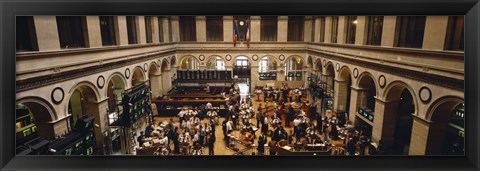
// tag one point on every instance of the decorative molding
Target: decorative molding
(337, 67)
(355, 72)
(255, 57)
(57, 95)
(100, 81)
(201, 57)
(324, 63)
(228, 57)
(281, 57)
(425, 94)
(382, 81)
(127, 73)
(414, 75)
(31, 83)
(145, 67)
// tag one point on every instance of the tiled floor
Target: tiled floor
(220, 147)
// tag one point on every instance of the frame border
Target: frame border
(10, 9)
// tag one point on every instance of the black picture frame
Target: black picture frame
(8, 160)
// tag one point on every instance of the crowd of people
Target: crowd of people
(196, 127)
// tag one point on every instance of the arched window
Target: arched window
(294, 69)
(267, 69)
(190, 63)
(216, 63)
(267, 64)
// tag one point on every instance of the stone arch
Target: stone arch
(138, 75)
(344, 73)
(173, 61)
(318, 65)
(34, 103)
(396, 87)
(124, 80)
(165, 66)
(441, 135)
(43, 115)
(310, 61)
(445, 104)
(276, 62)
(211, 57)
(153, 67)
(361, 80)
(188, 57)
(330, 67)
(397, 123)
(87, 84)
(235, 58)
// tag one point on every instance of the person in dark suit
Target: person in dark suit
(272, 144)
(211, 142)
(176, 149)
(261, 144)
(140, 139)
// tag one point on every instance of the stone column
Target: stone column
(307, 36)
(47, 33)
(166, 33)
(175, 29)
(342, 29)
(155, 30)
(355, 97)
(434, 140)
(166, 82)
(50, 130)
(328, 29)
(282, 29)
(317, 23)
(362, 29)
(340, 94)
(155, 85)
(385, 115)
(201, 27)
(228, 29)
(121, 30)
(435, 25)
(94, 34)
(388, 32)
(255, 28)
(141, 33)
(419, 137)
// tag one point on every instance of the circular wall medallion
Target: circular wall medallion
(127, 73)
(100, 81)
(201, 57)
(57, 95)
(324, 63)
(145, 67)
(425, 94)
(228, 57)
(355, 72)
(337, 67)
(382, 81)
(281, 57)
(255, 57)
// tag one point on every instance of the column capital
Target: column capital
(228, 17)
(340, 81)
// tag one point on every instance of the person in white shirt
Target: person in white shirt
(181, 115)
(209, 105)
(229, 127)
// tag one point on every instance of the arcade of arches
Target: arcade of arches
(361, 93)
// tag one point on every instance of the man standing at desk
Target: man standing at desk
(181, 116)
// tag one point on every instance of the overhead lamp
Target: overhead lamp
(354, 22)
